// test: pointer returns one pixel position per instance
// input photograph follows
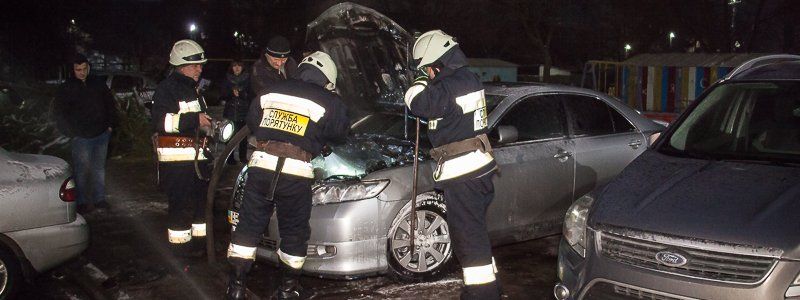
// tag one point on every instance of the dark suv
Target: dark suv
(711, 211)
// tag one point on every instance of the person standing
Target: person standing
(236, 93)
(85, 110)
(179, 120)
(276, 65)
(291, 122)
(452, 99)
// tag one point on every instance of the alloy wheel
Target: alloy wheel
(3, 277)
(432, 244)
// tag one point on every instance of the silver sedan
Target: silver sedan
(552, 143)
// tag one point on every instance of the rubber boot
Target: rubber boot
(289, 287)
(488, 291)
(237, 289)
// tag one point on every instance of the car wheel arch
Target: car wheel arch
(9, 245)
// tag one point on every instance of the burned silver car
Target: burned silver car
(552, 144)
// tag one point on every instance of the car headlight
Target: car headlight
(336, 192)
(575, 224)
(794, 289)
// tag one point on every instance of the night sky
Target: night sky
(37, 37)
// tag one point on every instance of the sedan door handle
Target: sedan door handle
(562, 155)
(635, 144)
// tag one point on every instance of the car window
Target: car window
(621, 124)
(752, 120)
(589, 116)
(536, 118)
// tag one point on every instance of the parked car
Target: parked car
(710, 212)
(551, 143)
(39, 228)
(130, 86)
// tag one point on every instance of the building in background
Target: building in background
(661, 83)
(491, 69)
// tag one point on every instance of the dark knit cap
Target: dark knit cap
(278, 46)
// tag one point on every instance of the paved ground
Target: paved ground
(128, 258)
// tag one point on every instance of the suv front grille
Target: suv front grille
(610, 291)
(713, 265)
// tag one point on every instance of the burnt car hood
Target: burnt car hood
(370, 51)
(729, 202)
(363, 154)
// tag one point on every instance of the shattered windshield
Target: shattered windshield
(743, 121)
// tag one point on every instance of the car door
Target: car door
(536, 170)
(605, 141)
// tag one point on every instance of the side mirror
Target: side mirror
(507, 134)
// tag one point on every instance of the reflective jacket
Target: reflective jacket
(299, 113)
(176, 105)
(455, 106)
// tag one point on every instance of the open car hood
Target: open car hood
(371, 55)
(363, 154)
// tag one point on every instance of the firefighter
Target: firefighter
(179, 119)
(291, 121)
(452, 99)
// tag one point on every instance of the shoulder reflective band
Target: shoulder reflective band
(296, 262)
(413, 91)
(172, 122)
(179, 236)
(463, 165)
(293, 104)
(239, 251)
(179, 154)
(291, 166)
(199, 230)
(475, 102)
(479, 275)
(189, 106)
(472, 101)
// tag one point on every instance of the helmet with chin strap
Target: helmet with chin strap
(431, 46)
(186, 52)
(324, 63)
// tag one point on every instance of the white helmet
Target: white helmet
(186, 52)
(430, 46)
(324, 63)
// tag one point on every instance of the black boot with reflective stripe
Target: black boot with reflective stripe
(289, 287)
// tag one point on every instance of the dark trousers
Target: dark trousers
(293, 201)
(467, 202)
(89, 164)
(242, 148)
(186, 193)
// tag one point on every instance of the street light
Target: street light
(670, 37)
(192, 30)
(628, 48)
(235, 34)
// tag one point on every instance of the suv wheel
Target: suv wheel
(10, 274)
(433, 251)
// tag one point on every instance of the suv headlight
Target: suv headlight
(575, 224)
(336, 192)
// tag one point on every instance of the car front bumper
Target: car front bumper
(348, 240)
(597, 276)
(47, 247)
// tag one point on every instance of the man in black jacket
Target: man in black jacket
(291, 122)
(179, 119)
(276, 65)
(452, 99)
(85, 110)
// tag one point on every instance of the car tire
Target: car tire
(10, 274)
(434, 243)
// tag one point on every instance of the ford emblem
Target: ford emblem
(671, 259)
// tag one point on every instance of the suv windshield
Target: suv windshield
(742, 121)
